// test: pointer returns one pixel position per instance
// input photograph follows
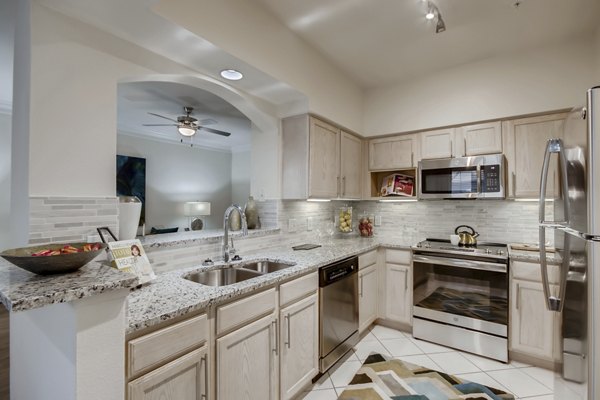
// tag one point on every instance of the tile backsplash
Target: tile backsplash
(70, 219)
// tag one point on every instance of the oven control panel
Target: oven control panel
(490, 178)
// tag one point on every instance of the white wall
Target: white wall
(75, 73)
(261, 40)
(241, 175)
(597, 72)
(5, 160)
(546, 79)
(176, 174)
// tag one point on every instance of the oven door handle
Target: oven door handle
(460, 263)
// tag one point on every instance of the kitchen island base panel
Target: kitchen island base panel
(69, 349)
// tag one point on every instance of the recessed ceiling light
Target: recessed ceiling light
(430, 14)
(231, 74)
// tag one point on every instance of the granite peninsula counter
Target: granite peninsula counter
(171, 296)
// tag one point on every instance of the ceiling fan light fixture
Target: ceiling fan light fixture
(186, 130)
(440, 26)
(232, 74)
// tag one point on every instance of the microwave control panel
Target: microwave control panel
(490, 178)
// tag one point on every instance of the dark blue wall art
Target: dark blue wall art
(131, 180)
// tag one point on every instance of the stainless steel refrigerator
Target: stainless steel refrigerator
(575, 225)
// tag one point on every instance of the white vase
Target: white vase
(130, 209)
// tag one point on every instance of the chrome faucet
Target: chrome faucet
(225, 246)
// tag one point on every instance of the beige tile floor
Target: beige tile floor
(524, 381)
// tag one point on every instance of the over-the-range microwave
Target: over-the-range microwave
(478, 177)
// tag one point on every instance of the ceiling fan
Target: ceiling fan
(188, 125)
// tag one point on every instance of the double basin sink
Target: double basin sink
(228, 274)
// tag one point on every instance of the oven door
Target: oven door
(468, 293)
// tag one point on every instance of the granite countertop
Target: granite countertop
(532, 255)
(170, 295)
(22, 290)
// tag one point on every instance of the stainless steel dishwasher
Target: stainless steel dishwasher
(338, 304)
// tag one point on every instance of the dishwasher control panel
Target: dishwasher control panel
(334, 272)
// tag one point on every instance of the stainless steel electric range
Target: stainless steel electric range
(460, 296)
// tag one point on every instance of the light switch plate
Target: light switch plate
(378, 220)
(292, 225)
(309, 223)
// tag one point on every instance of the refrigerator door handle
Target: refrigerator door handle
(554, 303)
(582, 235)
(554, 146)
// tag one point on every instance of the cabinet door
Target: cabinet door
(392, 153)
(324, 162)
(299, 345)
(482, 138)
(182, 379)
(351, 166)
(526, 139)
(534, 329)
(247, 362)
(367, 300)
(437, 144)
(398, 293)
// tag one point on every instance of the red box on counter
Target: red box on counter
(397, 185)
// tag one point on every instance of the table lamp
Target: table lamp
(195, 209)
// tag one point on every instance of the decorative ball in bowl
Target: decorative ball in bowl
(53, 258)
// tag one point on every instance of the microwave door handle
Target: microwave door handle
(479, 178)
(554, 146)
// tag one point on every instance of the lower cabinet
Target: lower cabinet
(534, 329)
(398, 293)
(247, 362)
(367, 300)
(185, 378)
(299, 338)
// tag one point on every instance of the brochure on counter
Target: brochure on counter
(129, 256)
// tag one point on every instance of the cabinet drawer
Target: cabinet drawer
(532, 272)
(245, 310)
(151, 350)
(367, 259)
(298, 288)
(398, 256)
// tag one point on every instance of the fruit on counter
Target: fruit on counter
(345, 224)
(68, 249)
(365, 226)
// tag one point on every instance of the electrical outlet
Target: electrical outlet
(309, 223)
(378, 220)
(292, 225)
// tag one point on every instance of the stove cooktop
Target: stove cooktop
(483, 249)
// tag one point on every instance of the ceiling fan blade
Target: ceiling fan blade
(160, 125)
(216, 131)
(207, 121)
(160, 116)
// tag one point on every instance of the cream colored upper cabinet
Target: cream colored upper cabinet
(324, 176)
(319, 160)
(351, 166)
(480, 139)
(247, 362)
(299, 345)
(395, 152)
(524, 146)
(437, 144)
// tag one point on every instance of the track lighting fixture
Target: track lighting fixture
(434, 12)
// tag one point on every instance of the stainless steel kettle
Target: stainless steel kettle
(466, 238)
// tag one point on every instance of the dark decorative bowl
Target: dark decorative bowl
(48, 265)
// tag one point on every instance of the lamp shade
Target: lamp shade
(196, 208)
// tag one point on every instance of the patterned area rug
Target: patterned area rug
(383, 378)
